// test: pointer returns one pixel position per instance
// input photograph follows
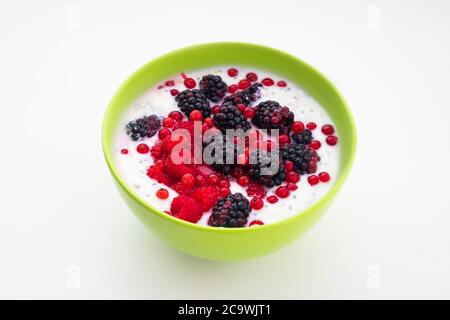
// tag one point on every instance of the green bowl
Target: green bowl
(219, 243)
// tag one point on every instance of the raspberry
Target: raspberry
(300, 155)
(213, 87)
(186, 208)
(229, 117)
(206, 196)
(262, 170)
(189, 100)
(176, 170)
(143, 127)
(270, 115)
(246, 97)
(230, 212)
(157, 173)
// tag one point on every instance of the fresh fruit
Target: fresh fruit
(300, 155)
(267, 82)
(297, 127)
(315, 144)
(189, 83)
(124, 151)
(282, 192)
(229, 117)
(327, 129)
(331, 140)
(186, 208)
(281, 84)
(243, 181)
(143, 127)
(324, 177)
(246, 97)
(256, 203)
(304, 137)
(174, 92)
(311, 125)
(168, 122)
(262, 170)
(206, 196)
(256, 190)
(252, 77)
(256, 223)
(292, 177)
(176, 115)
(272, 199)
(313, 180)
(213, 87)
(162, 193)
(232, 72)
(233, 88)
(189, 100)
(270, 115)
(195, 115)
(243, 84)
(230, 212)
(142, 148)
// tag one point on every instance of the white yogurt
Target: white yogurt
(133, 166)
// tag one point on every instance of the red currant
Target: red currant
(272, 199)
(195, 115)
(252, 77)
(243, 181)
(174, 92)
(324, 176)
(327, 129)
(282, 192)
(293, 177)
(213, 179)
(223, 192)
(332, 140)
(315, 144)
(298, 127)
(243, 84)
(200, 181)
(224, 184)
(142, 148)
(190, 83)
(256, 223)
(124, 151)
(256, 203)
(216, 109)
(283, 139)
(267, 82)
(176, 115)
(249, 112)
(162, 193)
(187, 180)
(233, 88)
(170, 83)
(233, 72)
(168, 122)
(291, 186)
(281, 83)
(311, 125)
(288, 165)
(164, 132)
(313, 180)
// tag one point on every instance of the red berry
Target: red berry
(281, 83)
(168, 122)
(237, 172)
(190, 83)
(251, 76)
(282, 192)
(170, 83)
(288, 165)
(283, 139)
(233, 88)
(174, 92)
(243, 181)
(209, 122)
(291, 186)
(200, 181)
(256, 190)
(124, 151)
(176, 115)
(324, 176)
(233, 72)
(164, 132)
(292, 176)
(256, 223)
(332, 140)
(267, 82)
(249, 112)
(195, 115)
(216, 109)
(223, 192)
(243, 84)
(313, 180)
(298, 127)
(256, 203)
(272, 199)
(224, 184)
(311, 125)
(327, 129)
(213, 179)
(315, 144)
(241, 107)
(186, 208)
(312, 166)
(206, 196)
(187, 180)
(162, 193)
(142, 148)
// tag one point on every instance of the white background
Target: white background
(64, 231)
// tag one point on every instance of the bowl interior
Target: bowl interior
(239, 54)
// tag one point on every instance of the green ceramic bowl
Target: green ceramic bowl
(217, 243)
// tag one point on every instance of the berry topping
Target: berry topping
(256, 190)
(292, 186)
(176, 115)
(252, 77)
(213, 179)
(270, 115)
(188, 180)
(304, 137)
(174, 92)
(230, 212)
(272, 199)
(162, 193)
(292, 177)
(298, 127)
(332, 140)
(213, 87)
(163, 133)
(267, 82)
(249, 112)
(311, 125)
(313, 180)
(282, 192)
(324, 177)
(256, 223)
(206, 196)
(327, 129)
(233, 88)
(190, 100)
(195, 115)
(124, 151)
(168, 122)
(233, 72)
(229, 117)
(300, 155)
(186, 208)
(142, 148)
(170, 83)
(243, 181)
(281, 83)
(256, 203)
(190, 83)
(262, 170)
(283, 139)
(247, 96)
(315, 144)
(243, 84)
(143, 127)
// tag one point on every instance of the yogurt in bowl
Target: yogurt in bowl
(242, 213)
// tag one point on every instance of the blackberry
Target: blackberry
(229, 117)
(270, 115)
(246, 96)
(304, 137)
(143, 127)
(213, 87)
(189, 100)
(227, 155)
(262, 161)
(230, 212)
(302, 156)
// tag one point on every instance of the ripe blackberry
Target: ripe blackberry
(246, 96)
(229, 117)
(213, 87)
(189, 100)
(263, 161)
(304, 137)
(270, 115)
(225, 157)
(143, 127)
(230, 212)
(302, 156)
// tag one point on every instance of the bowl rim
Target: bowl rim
(108, 154)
